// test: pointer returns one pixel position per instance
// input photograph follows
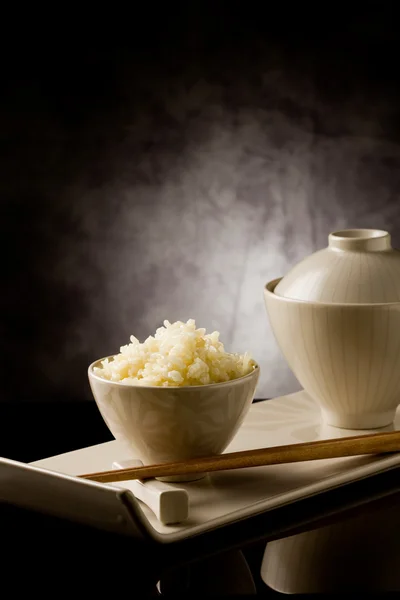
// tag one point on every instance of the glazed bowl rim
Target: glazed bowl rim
(271, 285)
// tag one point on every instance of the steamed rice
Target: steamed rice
(177, 355)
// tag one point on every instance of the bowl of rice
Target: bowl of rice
(178, 395)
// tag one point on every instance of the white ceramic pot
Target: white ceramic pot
(336, 318)
(163, 424)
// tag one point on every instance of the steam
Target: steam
(193, 211)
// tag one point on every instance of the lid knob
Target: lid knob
(359, 240)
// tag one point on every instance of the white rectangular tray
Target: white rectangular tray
(229, 496)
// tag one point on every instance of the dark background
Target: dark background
(170, 161)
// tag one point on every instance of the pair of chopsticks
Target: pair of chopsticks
(376, 443)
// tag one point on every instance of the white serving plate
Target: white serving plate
(229, 496)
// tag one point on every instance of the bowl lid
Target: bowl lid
(359, 266)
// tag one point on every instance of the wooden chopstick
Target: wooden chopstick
(375, 443)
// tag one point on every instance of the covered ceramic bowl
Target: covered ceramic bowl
(336, 318)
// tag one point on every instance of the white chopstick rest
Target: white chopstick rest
(168, 503)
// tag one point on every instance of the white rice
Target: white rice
(177, 355)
